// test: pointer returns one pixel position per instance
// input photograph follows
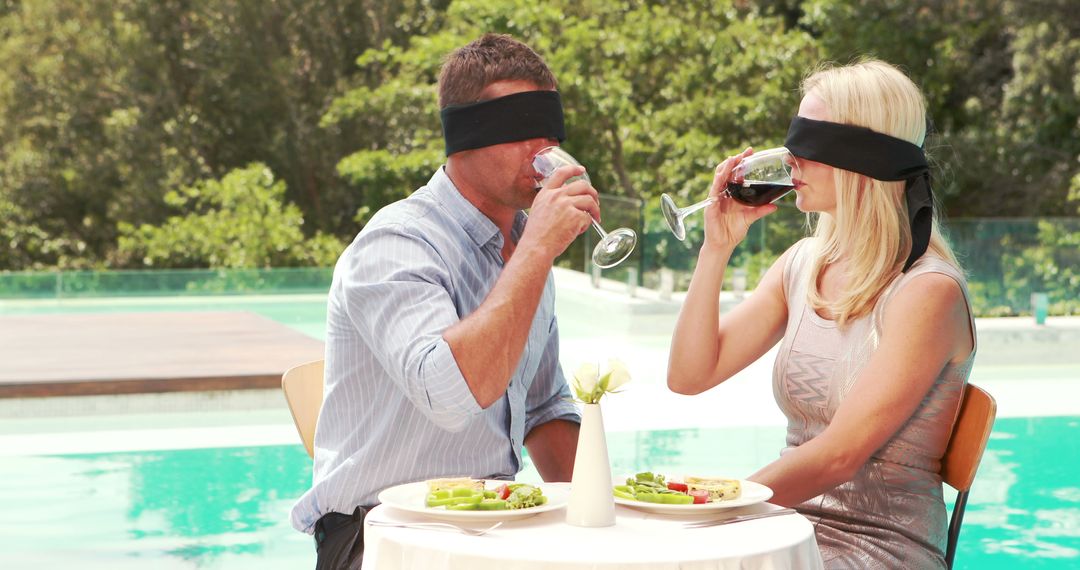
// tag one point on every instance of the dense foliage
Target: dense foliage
(245, 207)
(123, 121)
(106, 106)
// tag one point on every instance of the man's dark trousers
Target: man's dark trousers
(339, 540)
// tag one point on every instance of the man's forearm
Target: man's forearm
(552, 447)
(488, 344)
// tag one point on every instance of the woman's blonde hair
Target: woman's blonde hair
(870, 229)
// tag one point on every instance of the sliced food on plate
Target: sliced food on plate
(651, 487)
(717, 489)
(465, 494)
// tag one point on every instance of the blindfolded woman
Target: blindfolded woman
(872, 316)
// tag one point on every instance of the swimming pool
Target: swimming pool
(228, 507)
(209, 486)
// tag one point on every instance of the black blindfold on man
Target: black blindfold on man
(516, 117)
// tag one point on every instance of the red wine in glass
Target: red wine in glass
(758, 179)
(754, 193)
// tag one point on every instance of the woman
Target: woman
(872, 311)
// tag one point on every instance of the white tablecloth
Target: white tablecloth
(638, 540)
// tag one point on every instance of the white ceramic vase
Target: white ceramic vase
(591, 500)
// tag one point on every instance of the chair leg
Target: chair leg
(954, 526)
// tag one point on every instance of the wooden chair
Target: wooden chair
(303, 387)
(961, 460)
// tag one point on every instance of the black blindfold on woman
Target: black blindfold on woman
(876, 155)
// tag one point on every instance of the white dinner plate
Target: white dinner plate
(411, 496)
(752, 494)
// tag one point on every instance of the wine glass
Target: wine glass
(614, 246)
(761, 178)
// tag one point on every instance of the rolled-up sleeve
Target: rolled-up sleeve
(398, 297)
(549, 396)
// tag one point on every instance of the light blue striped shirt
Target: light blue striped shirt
(395, 405)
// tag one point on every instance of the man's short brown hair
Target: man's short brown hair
(490, 58)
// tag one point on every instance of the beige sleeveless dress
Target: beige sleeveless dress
(891, 515)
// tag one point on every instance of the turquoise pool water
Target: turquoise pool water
(227, 508)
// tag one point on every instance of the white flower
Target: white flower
(617, 376)
(589, 385)
(585, 379)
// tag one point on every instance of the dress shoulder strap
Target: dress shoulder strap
(799, 256)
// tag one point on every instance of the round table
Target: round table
(638, 540)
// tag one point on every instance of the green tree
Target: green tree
(240, 221)
(107, 105)
(22, 243)
(653, 98)
(55, 163)
(1001, 77)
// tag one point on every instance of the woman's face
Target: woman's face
(815, 187)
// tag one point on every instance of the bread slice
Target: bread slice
(454, 483)
(719, 489)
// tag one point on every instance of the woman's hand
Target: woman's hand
(727, 221)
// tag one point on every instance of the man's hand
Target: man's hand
(561, 212)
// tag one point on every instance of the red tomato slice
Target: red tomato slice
(680, 487)
(701, 496)
(502, 491)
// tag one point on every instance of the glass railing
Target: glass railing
(164, 282)
(1013, 264)
(1008, 261)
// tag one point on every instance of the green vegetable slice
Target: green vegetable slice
(492, 505)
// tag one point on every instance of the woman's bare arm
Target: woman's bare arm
(926, 325)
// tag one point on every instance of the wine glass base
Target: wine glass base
(671, 216)
(615, 248)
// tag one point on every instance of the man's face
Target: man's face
(504, 171)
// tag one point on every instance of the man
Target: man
(441, 341)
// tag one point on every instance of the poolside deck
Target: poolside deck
(127, 353)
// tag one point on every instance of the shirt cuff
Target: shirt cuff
(560, 410)
(449, 398)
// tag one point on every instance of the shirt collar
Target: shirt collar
(479, 227)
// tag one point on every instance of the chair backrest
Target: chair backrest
(303, 387)
(965, 451)
(969, 437)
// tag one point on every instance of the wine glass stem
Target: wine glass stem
(599, 230)
(695, 207)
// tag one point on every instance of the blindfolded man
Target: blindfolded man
(442, 344)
